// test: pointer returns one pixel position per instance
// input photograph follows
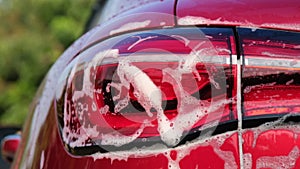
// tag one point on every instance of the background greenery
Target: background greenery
(33, 33)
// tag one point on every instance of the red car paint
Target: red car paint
(9, 146)
(262, 147)
(274, 14)
(154, 14)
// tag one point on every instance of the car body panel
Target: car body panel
(113, 9)
(215, 152)
(273, 14)
(272, 148)
(158, 14)
(42, 146)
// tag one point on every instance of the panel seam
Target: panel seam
(175, 12)
(239, 64)
(239, 112)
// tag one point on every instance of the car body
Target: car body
(206, 84)
(7, 132)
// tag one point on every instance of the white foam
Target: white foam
(149, 94)
(279, 162)
(289, 82)
(182, 151)
(193, 20)
(247, 158)
(78, 137)
(189, 109)
(120, 139)
(272, 54)
(185, 40)
(162, 23)
(140, 40)
(42, 160)
(288, 26)
(197, 20)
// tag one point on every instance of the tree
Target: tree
(33, 33)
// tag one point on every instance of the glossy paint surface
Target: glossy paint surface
(274, 14)
(272, 148)
(266, 146)
(113, 9)
(9, 146)
(216, 152)
(157, 14)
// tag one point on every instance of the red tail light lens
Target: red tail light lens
(271, 72)
(152, 85)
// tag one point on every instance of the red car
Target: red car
(173, 84)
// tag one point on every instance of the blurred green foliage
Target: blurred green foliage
(33, 33)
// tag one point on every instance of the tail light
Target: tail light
(9, 146)
(152, 86)
(271, 72)
(160, 86)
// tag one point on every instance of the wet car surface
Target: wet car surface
(171, 84)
